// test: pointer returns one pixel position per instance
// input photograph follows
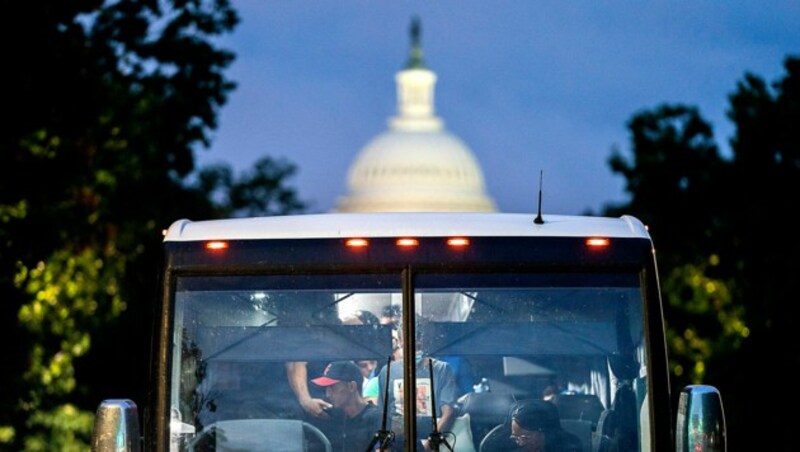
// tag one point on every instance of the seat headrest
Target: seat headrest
(578, 406)
(487, 406)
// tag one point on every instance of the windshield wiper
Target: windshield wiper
(436, 438)
(383, 437)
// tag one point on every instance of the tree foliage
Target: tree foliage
(670, 179)
(727, 270)
(106, 104)
(259, 191)
(674, 179)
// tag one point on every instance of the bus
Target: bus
(504, 326)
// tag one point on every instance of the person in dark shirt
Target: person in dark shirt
(353, 422)
(308, 309)
(535, 427)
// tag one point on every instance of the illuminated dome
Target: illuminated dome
(416, 165)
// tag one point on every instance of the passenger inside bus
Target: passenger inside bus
(315, 309)
(369, 367)
(536, 427)
(353, 421)
(443, 387)
(531, 425)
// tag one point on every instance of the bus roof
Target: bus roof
(366, 225)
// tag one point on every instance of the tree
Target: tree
(256, 193)
(106, 103)
(766, 171)
(727, 275)
(673, 178)
(670, 179)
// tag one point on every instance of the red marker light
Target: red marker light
(216, 245)
(406, 243)
(458, 242)
(356, 243)
(597, 242)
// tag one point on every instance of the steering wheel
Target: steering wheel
(257, 434)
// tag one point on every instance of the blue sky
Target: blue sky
(529, 86)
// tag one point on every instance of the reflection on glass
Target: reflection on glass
(269, 361)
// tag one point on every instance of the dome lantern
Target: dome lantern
(415, 90)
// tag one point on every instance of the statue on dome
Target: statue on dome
(415, 55)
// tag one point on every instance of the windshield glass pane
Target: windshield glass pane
(519, 357)
(277, 362)
(273, 363)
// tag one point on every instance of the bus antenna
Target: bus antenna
(538, 219)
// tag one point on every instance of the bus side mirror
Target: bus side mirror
(116, 427)
(701, 420)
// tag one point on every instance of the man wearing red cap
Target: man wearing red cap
(353, 420)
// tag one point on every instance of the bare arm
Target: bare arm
(297, 374)
(446, 418)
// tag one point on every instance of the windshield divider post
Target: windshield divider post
(409, 361)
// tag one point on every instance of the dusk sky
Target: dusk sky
(529, 86)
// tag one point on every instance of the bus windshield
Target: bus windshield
(488, 348)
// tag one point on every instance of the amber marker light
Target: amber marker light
(407, 243)
(356, 243)
(216, 245)
(458, 242)
(597, 242)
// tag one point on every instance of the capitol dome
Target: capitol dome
(416, 165)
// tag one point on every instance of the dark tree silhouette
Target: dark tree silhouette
(106, 103)
(727, 269)
(766, 181)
